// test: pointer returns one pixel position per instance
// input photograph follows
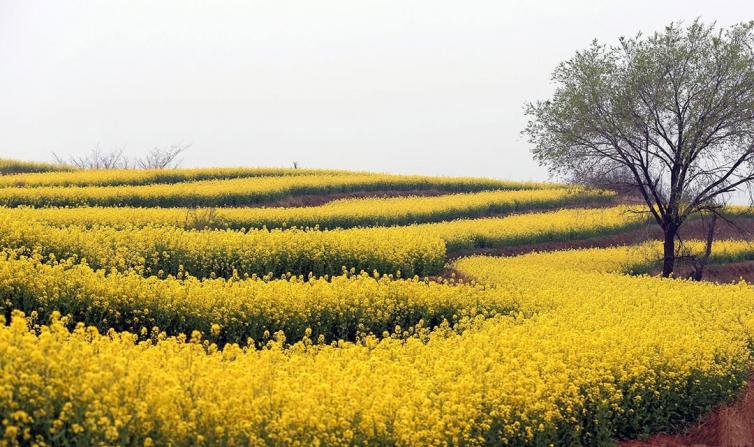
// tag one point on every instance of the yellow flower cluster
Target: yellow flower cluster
(637, 336)
(225, 253)
(560, 348)
(241, 191)
(342, 213)
(412, 250)
(8, 167)
(633, 259)
(119, 177)
(527, 228)
(597, 355)
(237, 311)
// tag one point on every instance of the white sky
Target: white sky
(409, 86)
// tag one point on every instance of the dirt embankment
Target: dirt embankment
(731, 425)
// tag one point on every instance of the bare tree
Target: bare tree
(157, 158)
(674, 109)
(162, 158)
(96, 159)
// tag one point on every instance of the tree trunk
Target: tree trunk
(668, 260)
(704, 259)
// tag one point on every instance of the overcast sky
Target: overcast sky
(405, 86)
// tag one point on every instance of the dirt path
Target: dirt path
(303, 200)
(297, 201)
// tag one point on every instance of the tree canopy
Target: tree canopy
(671, 114)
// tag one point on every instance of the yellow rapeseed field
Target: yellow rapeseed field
(237, 310)
(169, 250)
(411, 250)
(240, 191)
(531, 227)
(603, 355)
(10, 167)
(344, 213)
(116, 177)
(154, 315)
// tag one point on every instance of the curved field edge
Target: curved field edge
(243, 191)
(557, 348)
(132, 177)
(245, 312)
(604, 355)
(586, 291)
(419, 249)
(342, 213)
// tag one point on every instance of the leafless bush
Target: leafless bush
(162, 158)
(157, 158)
(96, 159)
(202, 219)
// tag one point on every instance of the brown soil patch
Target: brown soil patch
(296, 201)
(721, 273)
(320, 199)
(729, 426)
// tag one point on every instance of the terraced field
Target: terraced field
(180, 308)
